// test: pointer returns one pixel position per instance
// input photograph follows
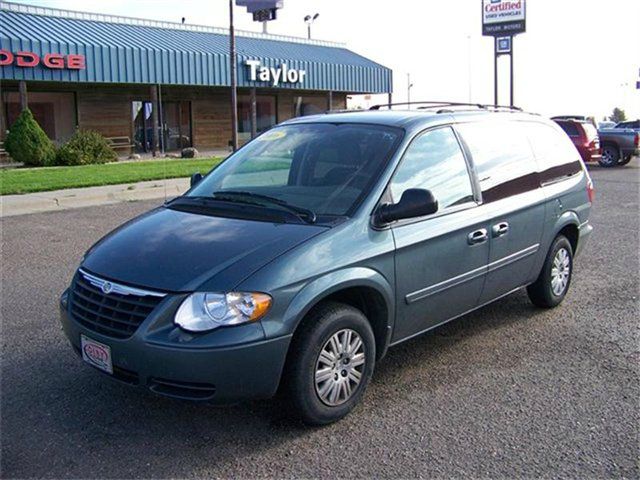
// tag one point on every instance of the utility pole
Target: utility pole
(234, 81)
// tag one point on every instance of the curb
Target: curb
(59, 200)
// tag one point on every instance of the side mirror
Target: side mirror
(195, 178)
(415, 202)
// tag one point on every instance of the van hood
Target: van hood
(179, 251)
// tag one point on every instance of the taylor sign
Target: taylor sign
(50, 60)
(282, 74)
(503, 17)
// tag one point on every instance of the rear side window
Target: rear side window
(502, 157)
(434, 161)
(555, 153)
(570, 128)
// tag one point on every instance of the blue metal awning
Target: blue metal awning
(124, 50)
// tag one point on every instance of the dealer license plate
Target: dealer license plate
(96, 354)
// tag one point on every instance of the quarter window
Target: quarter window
(434, 161)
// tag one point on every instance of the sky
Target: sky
(577, 57)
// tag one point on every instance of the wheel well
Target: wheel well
(572, 233)
(611, 144)
(370, 302)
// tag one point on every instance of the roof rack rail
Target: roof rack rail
(341, 110)
(426, 105)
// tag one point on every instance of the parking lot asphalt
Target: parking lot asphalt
(508, 391)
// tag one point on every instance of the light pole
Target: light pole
(409, 86)
(469, 65)
(309, 19)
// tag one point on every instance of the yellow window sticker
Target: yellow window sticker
(272, 135)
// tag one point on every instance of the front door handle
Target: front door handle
(500, 229)
(479, 236)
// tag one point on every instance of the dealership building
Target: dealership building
(121, 76)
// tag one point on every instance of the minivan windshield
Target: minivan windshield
(311, 169)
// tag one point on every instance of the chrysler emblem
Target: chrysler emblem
(107, 287)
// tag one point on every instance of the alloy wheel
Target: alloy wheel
(339, 367)
(560, 272)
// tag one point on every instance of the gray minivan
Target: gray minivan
(297, 262)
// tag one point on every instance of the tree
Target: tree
(27, 142)
(618, 115)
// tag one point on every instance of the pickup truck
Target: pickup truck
(618, 145)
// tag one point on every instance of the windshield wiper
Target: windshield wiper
(255, 198)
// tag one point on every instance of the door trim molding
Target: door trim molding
(514, 257)
(470, 275)
(446, 284)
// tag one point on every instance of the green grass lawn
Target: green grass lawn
(26, 180)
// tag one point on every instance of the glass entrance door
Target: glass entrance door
(177, 125)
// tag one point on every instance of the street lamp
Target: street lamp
(409, 86)
(309, 19)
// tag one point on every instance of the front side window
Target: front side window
(434, 161)
(322, 167)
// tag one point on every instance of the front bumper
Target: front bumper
(174, 364)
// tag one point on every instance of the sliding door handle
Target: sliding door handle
(500, 229)
(479, 236)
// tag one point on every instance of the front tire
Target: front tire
(552, 284)
(331, 363)
(610, 156)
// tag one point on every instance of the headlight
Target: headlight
(205, 311)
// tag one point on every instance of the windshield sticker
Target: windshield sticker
(273, 135)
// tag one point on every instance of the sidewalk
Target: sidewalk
(58, 200)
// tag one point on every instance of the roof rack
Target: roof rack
(442, 106)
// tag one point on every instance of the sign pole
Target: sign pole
(511, 72)
(495, 70)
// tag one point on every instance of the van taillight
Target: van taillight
(637, 140)
(591, 192)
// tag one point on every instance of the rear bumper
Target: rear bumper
(584, 233)
(197, 372)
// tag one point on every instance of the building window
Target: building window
(265, 114)
(303, 106)
(55, 112)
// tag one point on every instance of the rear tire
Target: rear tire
(625, 160)
(610, 156)
(330, 364)
(552, 284)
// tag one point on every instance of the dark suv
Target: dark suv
(584, 136)
(298, 261)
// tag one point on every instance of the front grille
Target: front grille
(114, 314)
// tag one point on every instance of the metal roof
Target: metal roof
(126, 50)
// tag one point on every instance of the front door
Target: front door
(441, 260)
